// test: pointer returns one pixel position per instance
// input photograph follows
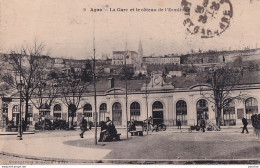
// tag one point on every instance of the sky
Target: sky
(66, 27)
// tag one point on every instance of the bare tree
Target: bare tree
(47, 90)
(73, 84)
(25, 62)
(222, 82)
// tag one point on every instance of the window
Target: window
(202, 110)
(157, 112)
(117, 113)
(117, 106)
(103, 108)
(87, 107)
(87, 114)
(58, 115)
(157, 105)
(181, 107)
(87, 110)
(202, 103)
(181, 112)
(57, 111)
(251, 108)
(229, 113)
(16, 109)
(102, 112)
(135, 109)
(70, 115)
(57, 107)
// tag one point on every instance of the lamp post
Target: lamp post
(126, 96)
(20, 87)
(95, 94)
(146, 98)
(94, 82)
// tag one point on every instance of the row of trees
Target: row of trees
(41, 82)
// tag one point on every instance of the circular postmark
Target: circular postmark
(207, 18)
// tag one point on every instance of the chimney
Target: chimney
(111, 82)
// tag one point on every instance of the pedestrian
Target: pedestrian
(112, 130)
(23, 125)
(104, 128)
(132, 125)
(179, 123)
(83, 126)
(245, 123)
(202, 124)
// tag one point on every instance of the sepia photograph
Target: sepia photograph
(119, 82)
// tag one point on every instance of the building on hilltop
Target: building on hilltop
(119, 57)
(162, 60)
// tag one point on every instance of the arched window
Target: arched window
(117, 113)
(229, 113)
(117, 106)
(157, 112)
(102, 112)
(72, 110)
(135, 110)
(157, 105)
(87, 110)
(103, 108)
(57, 107)
(202, 103)
(181, 112)
(251, 108)
(15, 109)
(57, 111)
(87, 107)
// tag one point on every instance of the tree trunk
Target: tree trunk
(26, 110)
(218, 117)
(72, 119)
(68, 118)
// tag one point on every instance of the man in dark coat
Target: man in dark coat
(103, 131)
(179, 123)
(83, 126)
(245, 123)
(202, 124)
(24, 126)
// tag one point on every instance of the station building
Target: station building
(163, 100)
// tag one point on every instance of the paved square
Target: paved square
(157, 146)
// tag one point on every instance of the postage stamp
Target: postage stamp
(207, 18)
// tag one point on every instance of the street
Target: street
(68, 147)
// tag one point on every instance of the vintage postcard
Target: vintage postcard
(172, 82)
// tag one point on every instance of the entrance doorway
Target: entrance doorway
(117, 114)
(202, 110)
(157, 112)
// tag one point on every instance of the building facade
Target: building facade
(162, 60)
(119, 57)
(157, 98)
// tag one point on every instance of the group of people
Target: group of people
(202, 124)
(12, 124)
(108, 130)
